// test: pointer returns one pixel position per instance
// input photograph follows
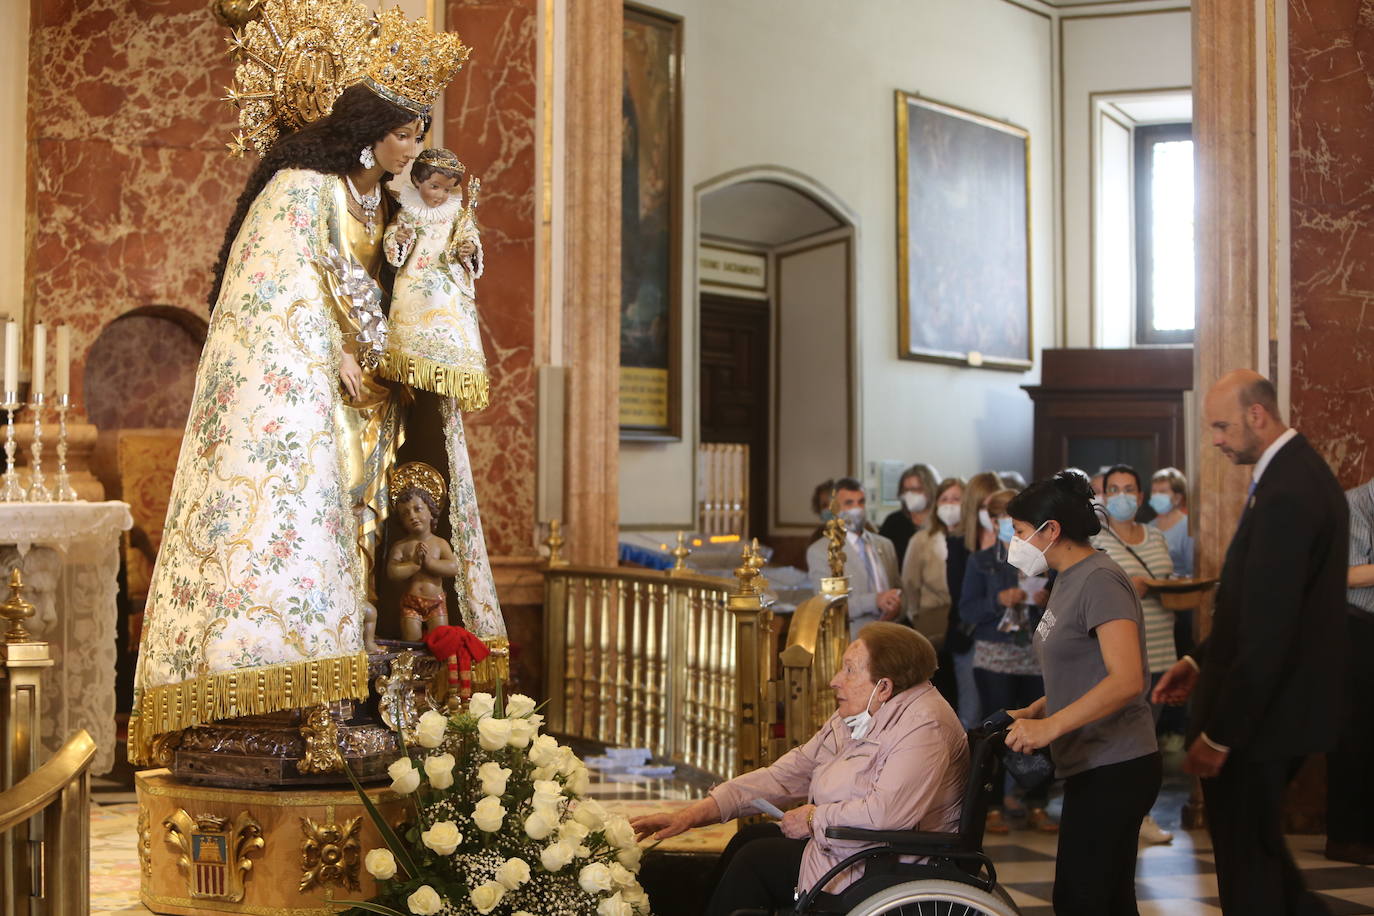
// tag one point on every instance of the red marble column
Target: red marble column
(1332, 173)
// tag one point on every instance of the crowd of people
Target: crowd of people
(987, 595)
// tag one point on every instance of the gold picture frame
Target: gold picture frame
(963, 237)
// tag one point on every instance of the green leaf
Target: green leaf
(392, 841)
(369, 907)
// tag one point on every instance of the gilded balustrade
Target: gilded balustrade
(673, 661)
(815, 647)
(57, 795)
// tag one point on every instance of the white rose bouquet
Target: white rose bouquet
(500, 825)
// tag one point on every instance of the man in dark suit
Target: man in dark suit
(1266, 683)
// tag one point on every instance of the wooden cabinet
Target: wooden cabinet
(1101, 407)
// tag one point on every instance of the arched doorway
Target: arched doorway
(776, 366)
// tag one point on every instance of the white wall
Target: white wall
(1109, 54)
(14, 83)
(785, 83)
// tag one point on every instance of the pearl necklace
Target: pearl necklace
(368, 204)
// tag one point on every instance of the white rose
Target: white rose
(380, 864)
(583, 852)
(572, 831)
(519, 706)
(538, 825)
(621, 875)
(512, 873)
(590, 814)
(619, 833)
(635, 897)
(439, 769)
(485, 896)
(521, 732)
(556, 856)
(443, 837)
(580, 781)
(493, 734)
(488, 814)
(567, 761)
(614, 906)
(543, 751)
(481, 705)
(522, 913)
(546, 772)
(404, 777)
(430, 731)
(493, 777)
(425, 901)
(538, 719)
(595, 878)
(630, 856)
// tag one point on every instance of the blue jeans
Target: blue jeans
(970, 706)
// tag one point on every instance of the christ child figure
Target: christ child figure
(422, 560)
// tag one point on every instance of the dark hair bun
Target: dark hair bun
(1067, 498)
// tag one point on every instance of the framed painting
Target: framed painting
(963, 237)
(651, 226)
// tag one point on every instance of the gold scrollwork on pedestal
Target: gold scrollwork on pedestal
(214, 852)
(396, 689)
(321, 734)
(330, 854)
(145, 842)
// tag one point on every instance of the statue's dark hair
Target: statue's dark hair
(330, 145)
(409, 493)
(1067, 497)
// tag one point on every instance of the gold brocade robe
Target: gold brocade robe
(256, 602)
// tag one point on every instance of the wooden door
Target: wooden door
(734, 393)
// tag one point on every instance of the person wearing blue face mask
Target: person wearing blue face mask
(1169, 499)
(1003, 606)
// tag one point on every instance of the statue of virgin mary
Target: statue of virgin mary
(262, 585)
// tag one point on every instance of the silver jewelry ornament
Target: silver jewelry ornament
(366, 158)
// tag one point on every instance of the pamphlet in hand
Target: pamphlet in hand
(766, 807)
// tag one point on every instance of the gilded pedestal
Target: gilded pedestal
(206, 849)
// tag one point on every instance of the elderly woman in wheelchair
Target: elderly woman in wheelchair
(884, 783)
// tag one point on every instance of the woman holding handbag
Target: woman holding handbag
(1094, 716)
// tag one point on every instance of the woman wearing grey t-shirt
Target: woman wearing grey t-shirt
(1094, 716)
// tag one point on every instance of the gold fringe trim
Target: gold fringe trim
(496, 665)
(251, 692)
(470, 387)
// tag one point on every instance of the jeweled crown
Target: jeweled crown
(411, 63)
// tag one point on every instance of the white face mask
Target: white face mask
(914, 502)
(1025, 557)
(861, 722)
(949, 513)
(985, 519)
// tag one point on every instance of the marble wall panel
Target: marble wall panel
(1331, 55)
(489, 123)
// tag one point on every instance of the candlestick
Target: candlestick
(63, 491)
(40, 359)
(64, 360)
(38, 488)
(12, 357)
(12, 491)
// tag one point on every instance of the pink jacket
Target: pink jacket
(907, 773)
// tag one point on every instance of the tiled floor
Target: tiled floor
(1173, 880)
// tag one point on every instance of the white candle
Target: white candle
(11, 357)
(40, 360)
(64, 360)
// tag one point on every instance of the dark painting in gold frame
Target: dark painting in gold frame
(963, 237)
(651, 226)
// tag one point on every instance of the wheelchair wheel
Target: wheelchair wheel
(936, 898)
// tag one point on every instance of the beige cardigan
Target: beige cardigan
(925, 588)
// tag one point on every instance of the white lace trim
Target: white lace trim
(423, 213)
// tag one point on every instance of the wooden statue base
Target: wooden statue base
(269, 852)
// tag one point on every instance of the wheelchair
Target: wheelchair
(957, 878)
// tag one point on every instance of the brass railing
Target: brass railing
(673, 661)
(815, 644)
(59, 790)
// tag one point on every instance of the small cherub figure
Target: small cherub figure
(424, 560)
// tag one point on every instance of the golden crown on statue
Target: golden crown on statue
(411, 63)
(297, 56)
